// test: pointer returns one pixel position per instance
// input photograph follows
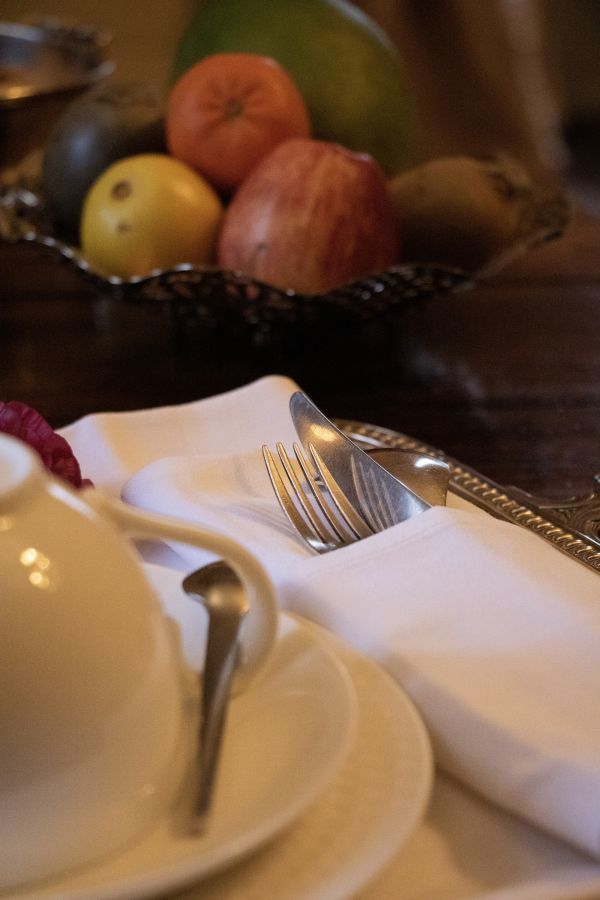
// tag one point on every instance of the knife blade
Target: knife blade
(382, 498)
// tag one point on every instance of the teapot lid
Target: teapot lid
(19, 467)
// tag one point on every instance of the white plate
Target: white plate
(366, 815)
(357, 825)
(286, 738)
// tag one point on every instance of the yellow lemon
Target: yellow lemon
(149, 212)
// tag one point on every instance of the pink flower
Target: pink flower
(25, 423)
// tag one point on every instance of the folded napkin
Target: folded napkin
(493, 633)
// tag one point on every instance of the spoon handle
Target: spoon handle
(224, 597)
(221, 655)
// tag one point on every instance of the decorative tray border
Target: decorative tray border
(572, 525)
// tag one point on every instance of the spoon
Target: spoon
(221, 592)
(425, 475)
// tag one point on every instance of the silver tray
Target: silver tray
(571, 525)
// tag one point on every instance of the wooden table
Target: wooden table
(504, 377)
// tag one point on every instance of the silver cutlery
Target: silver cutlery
(221, 592)
(425, 475)
(569, 525)
(383, 499)
(313, 501)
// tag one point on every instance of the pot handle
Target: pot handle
(260, 624)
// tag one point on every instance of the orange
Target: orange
(228, 111)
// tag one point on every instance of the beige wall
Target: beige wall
(145, 32)
(465, 58)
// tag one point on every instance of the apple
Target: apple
(311, 216)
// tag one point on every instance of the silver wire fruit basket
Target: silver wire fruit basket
(209, 296)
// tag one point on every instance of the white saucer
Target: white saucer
(358, 819)
(286, 738)
(366, 815)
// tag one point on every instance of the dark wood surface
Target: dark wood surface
(504, 377)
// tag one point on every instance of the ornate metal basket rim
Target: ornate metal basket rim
(571, 525)
(208, 293)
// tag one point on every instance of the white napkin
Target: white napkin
(493, 633)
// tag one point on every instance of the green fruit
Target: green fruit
(348, 71)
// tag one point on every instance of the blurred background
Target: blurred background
(505, 377)
(522, 75)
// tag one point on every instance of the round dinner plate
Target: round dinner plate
(323, 732)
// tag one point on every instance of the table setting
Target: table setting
(299, 530)
(444, 652)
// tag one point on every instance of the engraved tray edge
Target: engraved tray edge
(571, 526)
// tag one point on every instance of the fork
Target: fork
(312, 500)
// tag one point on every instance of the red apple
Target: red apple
(311, 216)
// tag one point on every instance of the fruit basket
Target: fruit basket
(306, 204)
(209, 297)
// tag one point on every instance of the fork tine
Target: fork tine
(357, 525)
(304, 528)
(313, 501)
(369, 506)
(386, 503)
(318, 495)
(374, 496)
(301, 495)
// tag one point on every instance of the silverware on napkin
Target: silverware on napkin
(571, 525)
(313, 502)
(368, 486)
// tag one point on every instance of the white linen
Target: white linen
(494, 634)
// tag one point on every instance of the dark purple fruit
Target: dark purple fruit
(108, 123)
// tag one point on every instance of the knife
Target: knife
(383, 499)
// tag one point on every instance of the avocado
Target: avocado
(113, 120)
(349, 72)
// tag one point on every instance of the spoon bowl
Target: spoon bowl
(425, 475)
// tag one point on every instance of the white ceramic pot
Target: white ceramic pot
(97, 710)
